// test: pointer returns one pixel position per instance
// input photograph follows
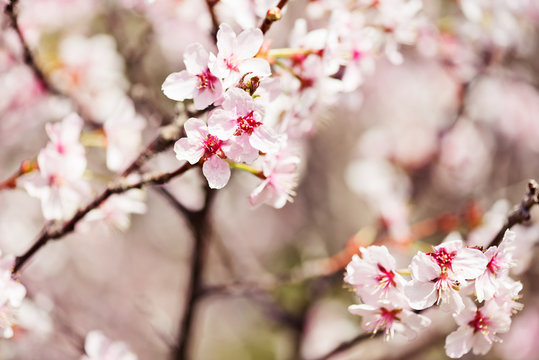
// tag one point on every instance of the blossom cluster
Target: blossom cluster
(471, 284)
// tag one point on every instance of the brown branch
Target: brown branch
(520, 213)
(273, 14)
(118, 187)
(12, 13)
(214, 20)
(199, 223)
(346, 345)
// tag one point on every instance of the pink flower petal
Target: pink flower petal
(222, 124)
(179, 86)
(195, 59)
(189, 150)
(249, 42)
(216, 171)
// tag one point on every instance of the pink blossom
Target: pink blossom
(437, 276)
(375, 274)
(281, 175)
(240, 115)
(12, 294)
(123, 129)
(196, 82)
(500, 260)
(116, 209)
(236, 55)
(390, 319)
(200, 144)
(99, 347)
(478, 329)
(59, 183)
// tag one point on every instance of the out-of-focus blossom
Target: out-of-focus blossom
(116, 209)
(281, 172)
(59, 183)
(12, 294)
(123, 129)
(99, 347)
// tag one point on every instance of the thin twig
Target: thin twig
(199, 223)
(347, 345)
(214, 20)
(520, 213)
(28, 57)
(120, 186)
(272, 15)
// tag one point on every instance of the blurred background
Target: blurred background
(445, 141)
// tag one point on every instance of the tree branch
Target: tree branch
(199, 223)
(520, 213)
(273, 14)
(214, 20)
(118, 187)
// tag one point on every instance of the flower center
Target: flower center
(385, 278)
(443, 258)
(494, 265)
(206, 80)
(231, 64)
(212, 145)
(246, 124)
(479, 322)
(386, 319)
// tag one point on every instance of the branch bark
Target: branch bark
(273, 14)
(118, 187)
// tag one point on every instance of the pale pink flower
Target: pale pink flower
(200, 144)
(478, 329)
(98, 347)
(375, 274)
(390, 319)
(12, 294)
(59, 183)
(116, 209)
(123, 129)
(196, 82)
(236, 55)
(437, 276)
(281, 172)
(240, 115)
(500, 260)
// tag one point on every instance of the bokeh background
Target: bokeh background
(446, 140)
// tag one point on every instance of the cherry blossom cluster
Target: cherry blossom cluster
(471, 284)
(238, 86)
(60, 182)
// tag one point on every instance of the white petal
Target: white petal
(249, 42)
(257, 67)
(195, 59)
(216, 171)
(226, 40)
(222, 124)
(189, 150)
(421, 295)
(423, 267)
(459, 342)
(469, 263)
(180, 86)
(264, 140)
(195, 129)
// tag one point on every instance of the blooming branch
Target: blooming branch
(118, 187)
